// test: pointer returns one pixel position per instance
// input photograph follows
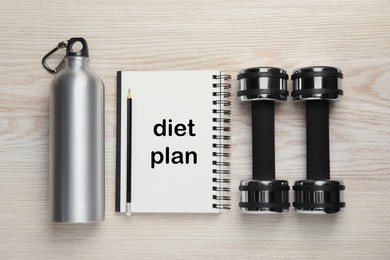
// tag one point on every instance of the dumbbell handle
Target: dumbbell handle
(263, 140)
(317, 140)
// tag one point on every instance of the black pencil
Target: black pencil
(129, 130)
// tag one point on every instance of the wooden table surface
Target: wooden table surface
(196, 35)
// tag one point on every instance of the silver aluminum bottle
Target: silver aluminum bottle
(77, 140)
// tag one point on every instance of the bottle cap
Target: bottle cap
(83, 52)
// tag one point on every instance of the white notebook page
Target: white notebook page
(179, 96)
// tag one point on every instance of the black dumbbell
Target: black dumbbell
(317, 86)
(262, 86)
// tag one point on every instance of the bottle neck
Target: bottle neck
(76, 62)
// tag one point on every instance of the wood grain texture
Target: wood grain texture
(227, 35)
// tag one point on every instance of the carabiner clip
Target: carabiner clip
(60, 46)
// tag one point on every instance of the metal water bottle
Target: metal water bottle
(76, 137)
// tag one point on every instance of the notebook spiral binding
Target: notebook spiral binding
(221, 163)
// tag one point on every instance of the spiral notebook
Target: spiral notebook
(179, 152)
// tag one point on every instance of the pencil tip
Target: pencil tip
(129, 94)
(128, 209)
